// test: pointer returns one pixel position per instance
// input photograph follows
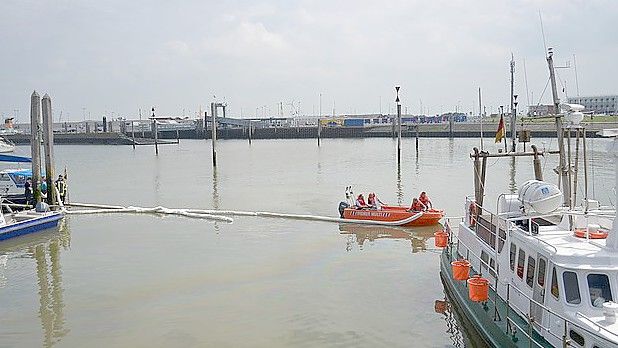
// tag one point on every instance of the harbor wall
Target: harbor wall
(459, 130)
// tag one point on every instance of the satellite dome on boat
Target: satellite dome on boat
(540, 196)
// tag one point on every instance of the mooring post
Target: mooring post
(319, 131)
(104, 125)
(48, 145)
(213, 113)
(133, 133)
(538, 173)
(177, 137)
(477, 175)
(416, 128)
(451, 120)
(398, 125)
(35, 145)
(155, 130)
(249, 133)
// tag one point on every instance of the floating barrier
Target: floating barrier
(478, 289)
(461, 269)
(217, 215)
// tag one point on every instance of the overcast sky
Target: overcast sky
(115, 57)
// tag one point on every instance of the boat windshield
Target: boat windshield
(19, 178)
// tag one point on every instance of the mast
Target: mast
(481, 118)
(562, 168)
(513, 115)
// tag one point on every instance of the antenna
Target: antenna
(576, 81)
(543, 33)
(526, 79)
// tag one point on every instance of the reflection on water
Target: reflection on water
(44, 248)
(417, 236)
(443, 307)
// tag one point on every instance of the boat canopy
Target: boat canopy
(15, 159)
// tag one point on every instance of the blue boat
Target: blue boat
(24, 222)
(14, 224)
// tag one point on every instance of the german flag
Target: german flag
(501, 133)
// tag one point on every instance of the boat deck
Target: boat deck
(501, 326)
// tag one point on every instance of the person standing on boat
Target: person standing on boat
(61, 185)
(417, 205)
(28, 190)
(360, 202)
(425, 200)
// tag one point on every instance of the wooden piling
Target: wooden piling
(319, 131)
(133, 133)
(48, 145)
(250, 132)
(398, 125)
(416, 128)
(155, 130)
(35, 145)
(213, 112)
(538, 173)
(398, 133)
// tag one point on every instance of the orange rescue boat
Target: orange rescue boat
(395, 215)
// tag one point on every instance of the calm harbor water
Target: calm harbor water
(146, 281)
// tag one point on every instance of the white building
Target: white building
(601, 104)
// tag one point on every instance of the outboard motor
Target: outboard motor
(342, 206)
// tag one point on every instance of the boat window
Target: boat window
(492, 267)
(571, 287)
(540, 277)
(530, 272)
(554, 284)
(485, 259)
(520, 263)
(600, 291)
(512, 256)
(577, 338)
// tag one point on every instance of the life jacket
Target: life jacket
(417, 206)
(360, 201)
(424, 200)
(62, 187)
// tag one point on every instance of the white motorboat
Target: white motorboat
(544, 273)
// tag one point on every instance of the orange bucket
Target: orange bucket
(441, 239)
(461, 269)
(478, 289)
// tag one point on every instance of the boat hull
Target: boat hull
(395, 214)
(46, 221)
(493, 332)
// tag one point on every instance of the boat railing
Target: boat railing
(476, 259)
(532, 226)
(598, 327)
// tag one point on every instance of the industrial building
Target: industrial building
(601, 104)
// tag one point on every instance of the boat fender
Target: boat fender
(41, 207)
(342, 206)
